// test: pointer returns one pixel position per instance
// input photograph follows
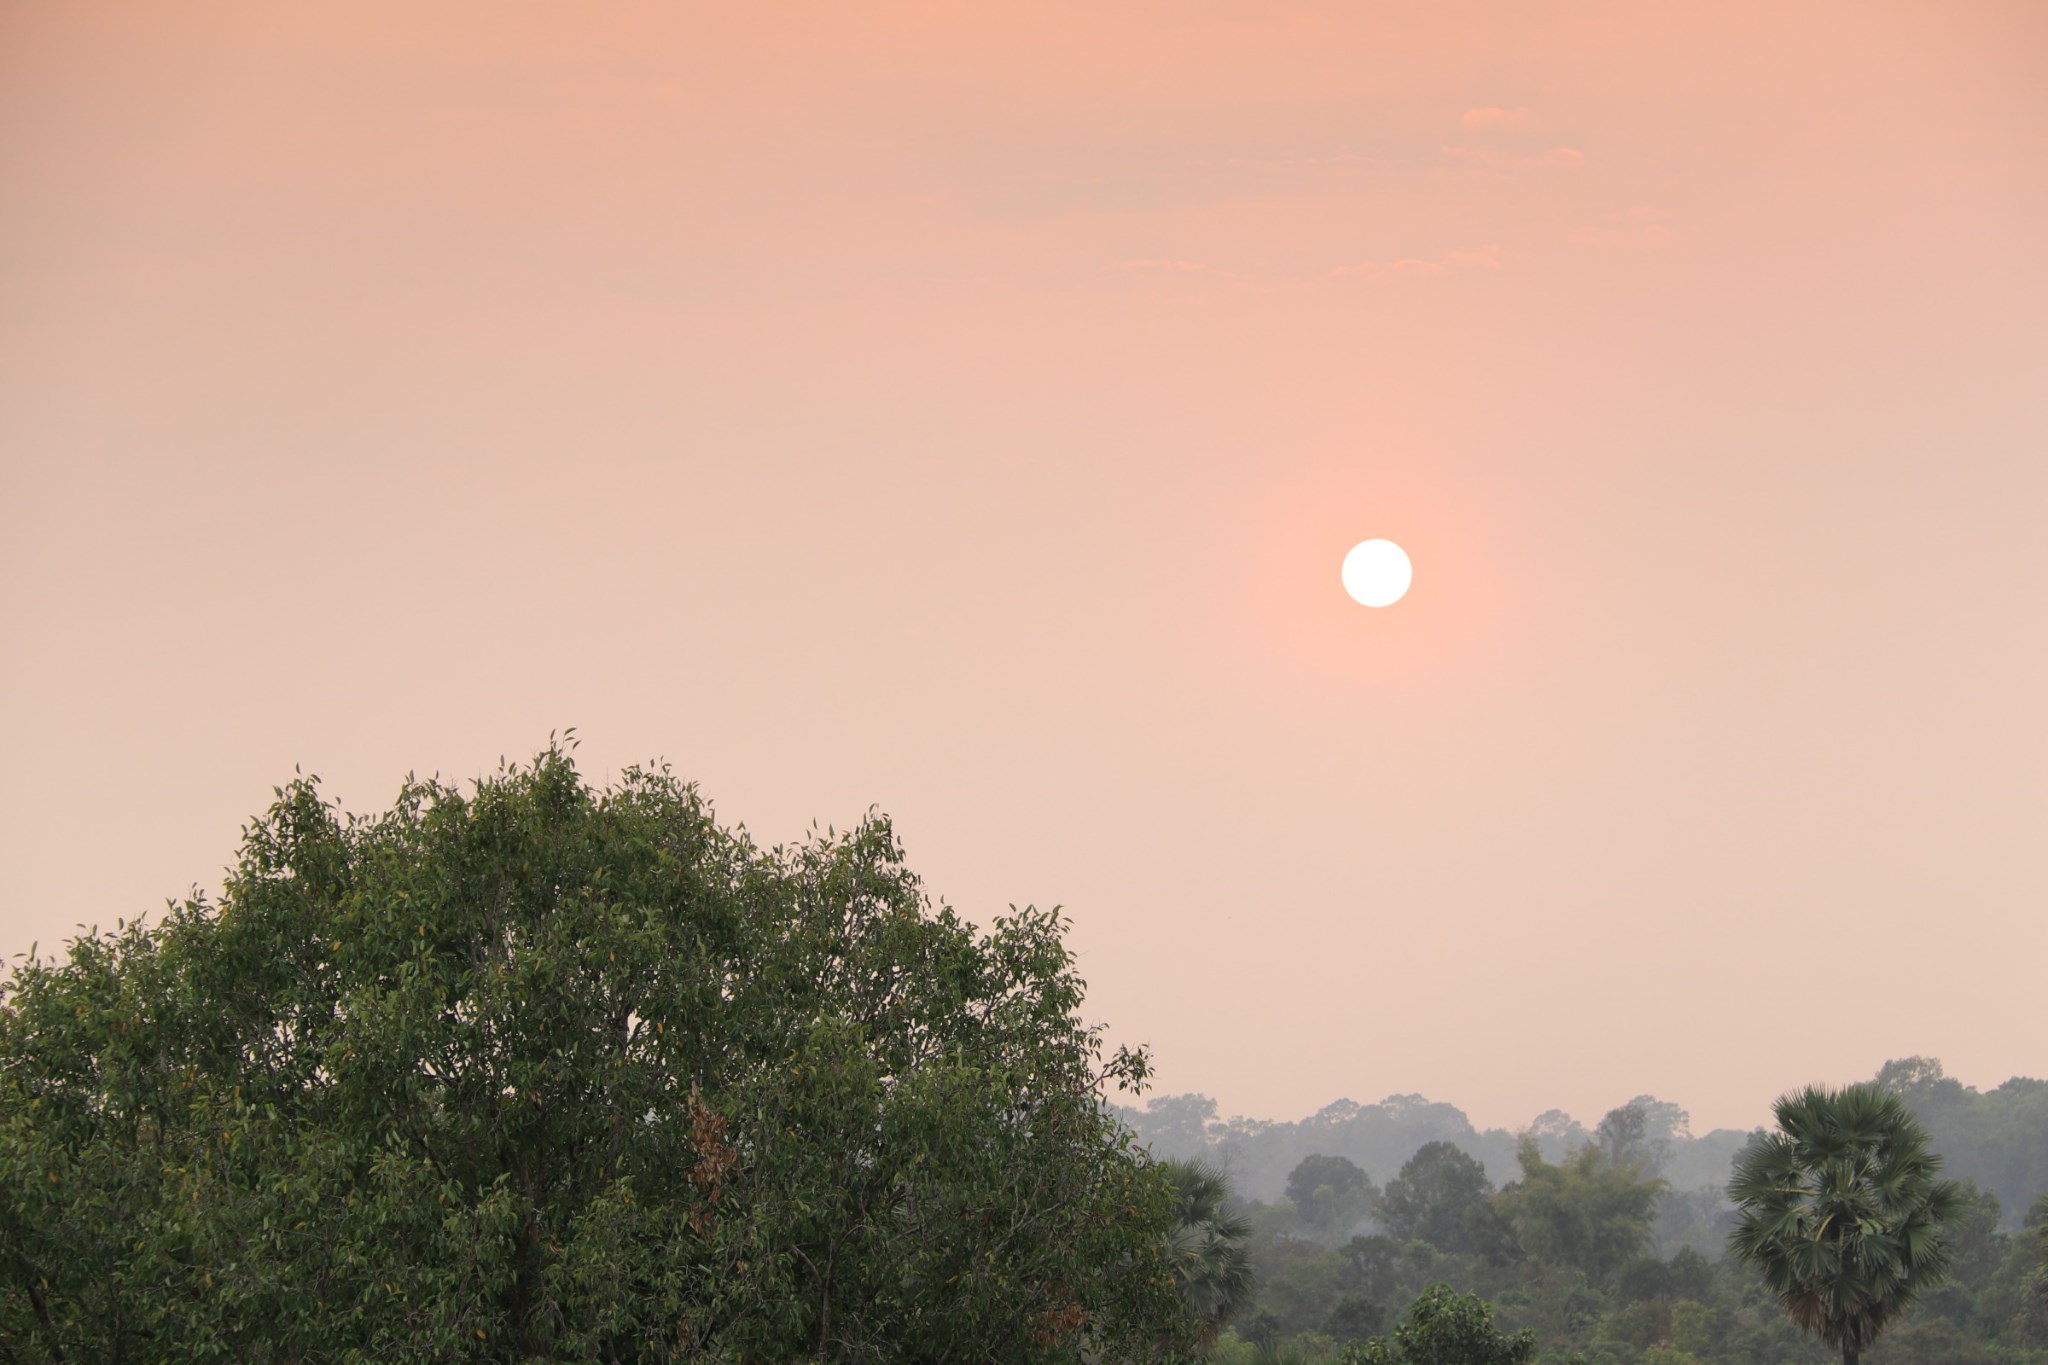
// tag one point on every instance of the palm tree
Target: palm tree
(1842, 1211)
(1206, 1247)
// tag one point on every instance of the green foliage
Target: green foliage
(1692, 1276)
(1177, 1125)
(1260, 1155)
(1691, 1327)
(1843, 1214)
(1586, 1211)
(1330, 1193)
(1372, 1266)
(1639, 1325)
(547, 1072)
(1645, 1277)
(1993, 1138)
(1713, 1312)
(1444, 1327)
(1437, 1198)
(1641, 1133)
(1298, 1283)
(1206, 1247)
(2016, 1299)
(1610, 1301)
(1355, 1318)
(1667, 1355)
(1975, 1244)
(2037, 1222)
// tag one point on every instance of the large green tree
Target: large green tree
(544, 1072)
(1843, 1212)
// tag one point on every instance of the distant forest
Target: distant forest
(1607, 1241)
(1997, 1139)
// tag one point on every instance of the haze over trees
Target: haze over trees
(1584, 1238)
(1206, 1247)
(1996, 1139)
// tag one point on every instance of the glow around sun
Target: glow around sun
(1377, 573)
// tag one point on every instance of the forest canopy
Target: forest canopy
(1610, 1242)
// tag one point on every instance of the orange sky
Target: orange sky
(965, 409)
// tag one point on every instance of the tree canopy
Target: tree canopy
(1330, 1193)
(1444, 1327)
(1585, 1211)
(551, 1072)
(1843, 1213)
(1435, 1196)
(1206, 1250)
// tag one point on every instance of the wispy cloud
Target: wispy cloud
(1481, 258)
(1640, 226)
(1493, 116)
(1338, 160)
(1555, 158)
(1159, 265)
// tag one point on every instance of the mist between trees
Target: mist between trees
(1997, 1139)
(1609, 1241)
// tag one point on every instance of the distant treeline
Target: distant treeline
(1996, 1138)
(1608, 1244)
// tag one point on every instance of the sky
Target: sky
(964, 410)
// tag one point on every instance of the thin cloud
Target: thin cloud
(1341, 160)
(1154, 265)
(1493, 116)
(1556, 159)
(1638, 227)
(1412, 267)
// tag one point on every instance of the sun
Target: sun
(1377, 573)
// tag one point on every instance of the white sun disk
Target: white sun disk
(1377, 573)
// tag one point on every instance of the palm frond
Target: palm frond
(1842, 1211)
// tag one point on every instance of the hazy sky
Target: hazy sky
(964, 409)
